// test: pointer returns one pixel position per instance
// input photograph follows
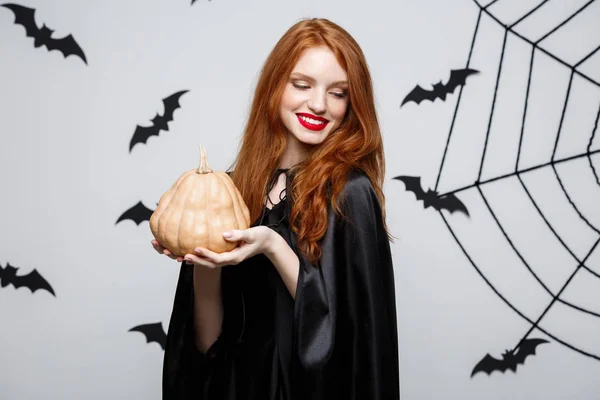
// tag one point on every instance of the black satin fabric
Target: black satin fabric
(337, 340)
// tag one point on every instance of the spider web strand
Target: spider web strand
(583, 218)
(579, 73)
(584, 59)
(535, 325)
(508, 303)
(590, 147)
(562, 115)
(562, 186)
(525, 108)
(523, 171)
(535, 276)
(457, 102)
(490, 4)
(487, 134)
(588, 154)
(564, 22)
(527, 15)
(597, 275)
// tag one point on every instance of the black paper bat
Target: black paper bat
(153, 333)
(431, 198)
(458, 77)
(138, 214)
(33, 280)
(42, 36)
(159, 123)
(510, 358)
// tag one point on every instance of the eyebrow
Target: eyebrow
(311, 79)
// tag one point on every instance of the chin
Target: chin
(311, 139)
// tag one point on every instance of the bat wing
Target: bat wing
(24, 16)
(413, 184)
(137, 214)
(67, 46)
(458, 77)
(488, 364)
(33, 281)
(418, 94)
(171, 104)
(153, 333)
(526, 348)
(7, 274)
(142, 134)
(451, 203)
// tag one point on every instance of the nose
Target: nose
(317, 100)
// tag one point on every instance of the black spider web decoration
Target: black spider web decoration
(526, 345)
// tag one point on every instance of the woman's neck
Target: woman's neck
(294, 153)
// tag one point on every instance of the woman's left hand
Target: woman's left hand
(253, 241)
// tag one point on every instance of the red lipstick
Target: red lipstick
(308, 125)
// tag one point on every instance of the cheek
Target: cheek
(291, 100)
(338, 110)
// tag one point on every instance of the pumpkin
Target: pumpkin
(197, 209)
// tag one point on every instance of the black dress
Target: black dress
(337, 340)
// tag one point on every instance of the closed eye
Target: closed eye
(339, 95)
(301, 87)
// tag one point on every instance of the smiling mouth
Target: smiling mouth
(313, 123)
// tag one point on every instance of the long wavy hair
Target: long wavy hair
(318, 180)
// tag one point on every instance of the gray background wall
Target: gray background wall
(67, 175)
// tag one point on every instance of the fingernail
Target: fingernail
(227, 234)
(197, 250)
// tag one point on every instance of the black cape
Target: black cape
(337, 340)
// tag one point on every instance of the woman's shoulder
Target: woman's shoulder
(358, 196)
(358, 184)
(358, 202)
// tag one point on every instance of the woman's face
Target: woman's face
(315, 98)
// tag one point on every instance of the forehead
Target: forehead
(320, 63)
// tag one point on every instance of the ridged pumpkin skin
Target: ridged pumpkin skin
(197, 209)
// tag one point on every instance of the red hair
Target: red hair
(357, 142)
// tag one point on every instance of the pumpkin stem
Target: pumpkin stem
(203, 168)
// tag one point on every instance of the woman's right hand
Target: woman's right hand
(161, 250)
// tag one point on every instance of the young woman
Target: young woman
(304, 307)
